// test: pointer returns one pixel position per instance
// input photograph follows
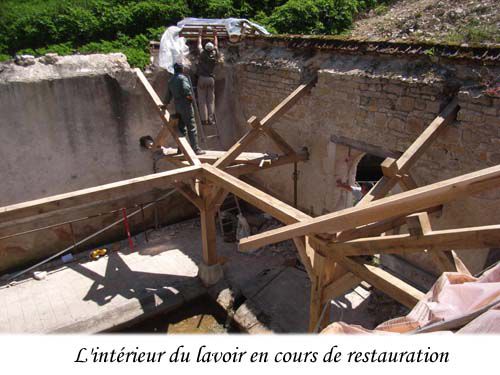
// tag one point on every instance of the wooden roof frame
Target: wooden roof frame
(329, 246)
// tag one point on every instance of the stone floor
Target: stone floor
(159, 276)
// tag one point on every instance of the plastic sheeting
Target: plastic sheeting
(233, 25)
(454, 295)
(173, 49)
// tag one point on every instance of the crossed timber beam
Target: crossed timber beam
(399, 204)
(208, 197)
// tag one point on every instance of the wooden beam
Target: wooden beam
(288, 103)
(242, 169)
(276, 138)
(305, 252)
(77, 213)
(457, 239)
(383, 280)
(340, 287)
(152, 94)
(188, 152)
(257, 126)
(105, 192)
(189, 194)
(418, 224)
(374, 229)
(209, 249)
(169, 123)
(396, 205)
(379, 190)
(424, 140)
(267, 203)
(239, 146)
(211, 156)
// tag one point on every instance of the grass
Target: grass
(475, 33)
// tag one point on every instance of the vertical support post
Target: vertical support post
(208, 236)
(325, 270)
(210, 271)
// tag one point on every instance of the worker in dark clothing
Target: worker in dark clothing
(179, 89)
(209, 57)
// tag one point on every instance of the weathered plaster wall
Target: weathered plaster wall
(376, 104)
(72, 125)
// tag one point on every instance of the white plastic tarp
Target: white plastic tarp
(173, 48)
(233, 25)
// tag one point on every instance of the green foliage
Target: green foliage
(313, 17)
(89, 26)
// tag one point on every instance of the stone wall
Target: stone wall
(374, 104)
(71, 125)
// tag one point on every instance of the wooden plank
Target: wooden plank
(152, 94)
(211, 156)
(98, 193)
(80, 212)
(379, 190)
(396, 205)
(242, 169)
(189, 194)
(418, 224)
(340, 287)
(263, 201)
(384, 281)
(267, 121)
(239, 146)
(169, 123)
(457, 239)
(278, 140)
(288, 103)
(188, 152)
(374, 229)
(305, 251)
(267, 203)
(422, 143)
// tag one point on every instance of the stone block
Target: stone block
(396, 124)
(415, 125)
(494, 157)
(405, 104)
(210, 275)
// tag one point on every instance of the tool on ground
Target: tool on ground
(97, 253)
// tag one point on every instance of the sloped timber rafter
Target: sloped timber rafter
(332, 264)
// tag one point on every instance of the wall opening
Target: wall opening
(368, 169)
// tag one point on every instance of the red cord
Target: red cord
(127, 229)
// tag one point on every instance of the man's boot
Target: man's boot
(199, 151)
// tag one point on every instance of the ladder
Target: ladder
(202, 128)
(230, 207)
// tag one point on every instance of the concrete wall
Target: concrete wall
(370, 103)
(68, 126)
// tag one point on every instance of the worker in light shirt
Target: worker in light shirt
(358, 191)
